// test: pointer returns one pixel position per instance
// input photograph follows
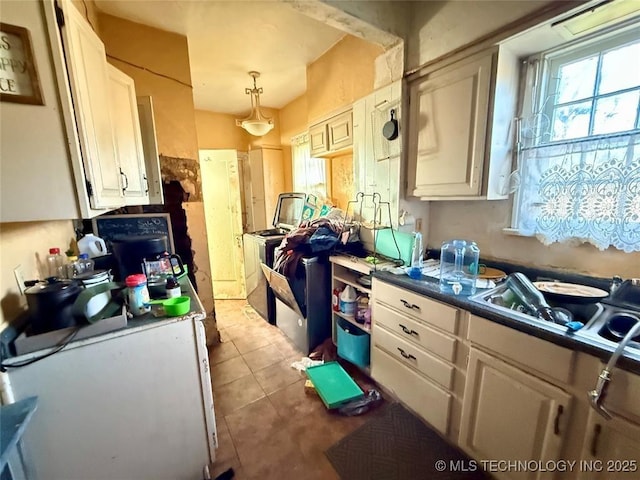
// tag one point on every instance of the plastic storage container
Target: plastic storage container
(459, 267)
(55, 263)
(353, 343)
(92, 245)
(138, 294)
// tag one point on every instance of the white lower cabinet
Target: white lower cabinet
(508, 414)
(611, 449)
(425, 398)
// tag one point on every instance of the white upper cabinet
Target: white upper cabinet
(73, 147)
(128, 140)
(89, 82)
(458, 148)
(150, 148)
(376, 160)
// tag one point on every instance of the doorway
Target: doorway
(223, 216)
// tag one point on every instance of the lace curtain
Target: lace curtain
(309, 174)
(586, 190)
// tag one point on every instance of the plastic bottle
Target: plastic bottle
(92, 245)
(335, 299)
(348, 300)
(73, 267)
(138, 295)
(173, 287)
(86, 264)
(55, 263)
(415, 271)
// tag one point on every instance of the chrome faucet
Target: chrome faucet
(597, 396)
(616, 281)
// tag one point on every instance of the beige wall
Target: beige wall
(27, 245)
(219, 131)
(293, 121)
(440, 27)
(158, 61)
(339, 77)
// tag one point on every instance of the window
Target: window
(309, 173)
(579, 144)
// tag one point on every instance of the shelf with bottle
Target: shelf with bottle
(352, 320)
(350, 278)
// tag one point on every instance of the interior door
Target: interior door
(223, 216)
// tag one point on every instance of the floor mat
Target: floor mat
(398, 445)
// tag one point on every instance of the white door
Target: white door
(223, 216)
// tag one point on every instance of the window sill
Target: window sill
(514, 232)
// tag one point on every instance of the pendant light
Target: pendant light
(256, 123)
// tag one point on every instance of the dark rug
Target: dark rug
(396, 444)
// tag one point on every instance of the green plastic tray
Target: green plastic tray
(333, 384)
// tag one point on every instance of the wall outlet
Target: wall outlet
(17, 272)
(418, 224)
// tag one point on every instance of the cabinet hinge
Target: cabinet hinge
(59, 15)
(89, 188)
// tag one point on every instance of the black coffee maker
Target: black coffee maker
(131, 251)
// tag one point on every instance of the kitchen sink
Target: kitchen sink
(604, 324)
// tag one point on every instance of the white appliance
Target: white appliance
(134, 404)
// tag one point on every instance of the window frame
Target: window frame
(535, 77)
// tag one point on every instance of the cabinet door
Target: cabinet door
(340, 131)
(508, 414)
(611, 449)
(273, 171)
(256, 214)
(449, 112)
(150, 148)
(89, 81)
(128, 140)
(318, 139)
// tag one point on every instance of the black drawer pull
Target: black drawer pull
(406, 355)
(408, 331)
(556, 422)
(410, 305)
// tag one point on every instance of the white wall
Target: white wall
(438, 28)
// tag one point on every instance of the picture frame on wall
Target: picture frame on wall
(19, 81)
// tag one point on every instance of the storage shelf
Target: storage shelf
(350, 279)
(352, 321)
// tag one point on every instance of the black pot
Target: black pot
(50, 305)
(131, 251)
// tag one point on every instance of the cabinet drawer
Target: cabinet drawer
(623, 393)
(534, 353)
(416, 332)
(413, 356)
(426, 399)
(422, 308)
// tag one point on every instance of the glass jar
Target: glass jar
(138, 294)
(459, 267)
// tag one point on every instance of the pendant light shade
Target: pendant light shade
(256, 123)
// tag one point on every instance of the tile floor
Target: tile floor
(268, 428)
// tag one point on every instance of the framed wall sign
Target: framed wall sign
(18, 75)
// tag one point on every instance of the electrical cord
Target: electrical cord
(60, 346)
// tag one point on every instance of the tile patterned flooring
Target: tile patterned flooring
(268, 428)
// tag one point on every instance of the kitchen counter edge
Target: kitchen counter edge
(430, 288)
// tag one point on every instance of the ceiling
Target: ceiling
(227, 39)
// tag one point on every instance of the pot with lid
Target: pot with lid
(50, 305)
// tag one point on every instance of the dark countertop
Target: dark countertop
(550, 332)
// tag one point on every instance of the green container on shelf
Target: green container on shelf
(333, 384)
